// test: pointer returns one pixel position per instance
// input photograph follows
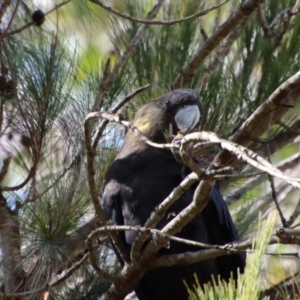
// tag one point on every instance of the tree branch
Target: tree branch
(90, 170)
(18, 30)
(221, 54)
(114, 109)
(156, 22)
(241, 153)
(93, 259)
(244, 12)
(258, 122)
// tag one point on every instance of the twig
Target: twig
(280, 15)
(280, 140)
(30, 175)
(157, 232)
(12, 16)
(240, 152)
(284, 28)
(263, 22)
(221, 54)
(156, 22)
(275, 199)
(63, 173)
(203, 33)
(259, 140)
(106, 72)
(264, 204)
(90, 170)
(283, 235)
(93, 259)
(105, 84)
(18, 30)
(114, 109)
(237, 193)
(243, 14)
(288, 128)
(238, 175)
(289, 162)
(54, 283)
(215, 172)
(200, 200)
(272, 184)
(118, 119)
(283, 232)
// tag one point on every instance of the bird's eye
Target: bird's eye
(168, 102)
(183, 106)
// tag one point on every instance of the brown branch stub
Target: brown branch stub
(275, 199)
(6, 163)
(244, 12)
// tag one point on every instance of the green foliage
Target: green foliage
(42, 71)
(247, 286)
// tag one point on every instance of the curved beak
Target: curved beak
(187, 118)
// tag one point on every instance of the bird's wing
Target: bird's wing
(111, 203)
(112, 209)
(222, 231)
(223, 213)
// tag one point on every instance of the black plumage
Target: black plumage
(142, 176)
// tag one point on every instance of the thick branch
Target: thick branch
(240, 152)
(259, 121)
(244, 13)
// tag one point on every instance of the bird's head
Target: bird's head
(178, 111)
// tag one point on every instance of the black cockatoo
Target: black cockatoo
(142, 176)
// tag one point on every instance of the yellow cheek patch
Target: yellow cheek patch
(142, 125)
